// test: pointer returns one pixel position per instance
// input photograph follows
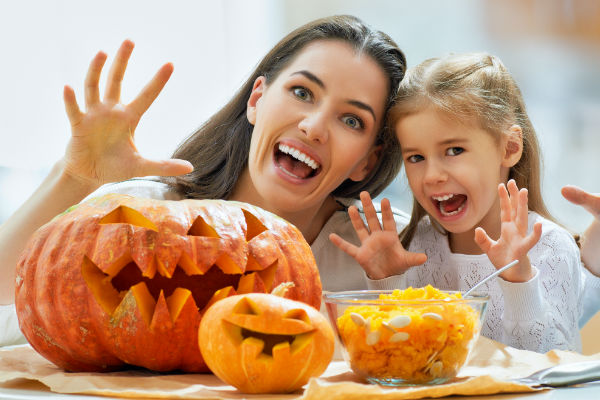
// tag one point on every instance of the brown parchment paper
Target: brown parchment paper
(490, 370)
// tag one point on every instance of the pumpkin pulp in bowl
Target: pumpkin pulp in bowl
(406, 337)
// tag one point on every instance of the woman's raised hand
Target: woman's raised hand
(381, 253)
(102, 147)
(514, 242)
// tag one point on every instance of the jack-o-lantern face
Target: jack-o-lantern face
(121, 280)
(262, 343)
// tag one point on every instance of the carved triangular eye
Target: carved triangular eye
(201, 228)
(254, 226)
(298, 314)
(246, 306)
(127, 215)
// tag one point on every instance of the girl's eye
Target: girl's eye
(302, 93)
(415, 158)
(454, 151)
(353, 122)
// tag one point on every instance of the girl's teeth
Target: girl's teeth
(298, 155)
(448, 214)
(443, 198)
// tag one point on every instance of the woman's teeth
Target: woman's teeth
(298, 155)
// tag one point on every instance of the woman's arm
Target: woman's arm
(101, 150)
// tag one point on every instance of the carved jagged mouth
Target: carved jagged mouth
(269, 340)
(205, 281)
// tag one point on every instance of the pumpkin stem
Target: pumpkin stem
(282, 289)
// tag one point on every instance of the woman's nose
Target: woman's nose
(314, 126)
(435, 173)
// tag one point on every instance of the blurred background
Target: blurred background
(551, 46)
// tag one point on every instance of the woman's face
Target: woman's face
(314, 127)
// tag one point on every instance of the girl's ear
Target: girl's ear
(512, 143)
(363, 169)
(257, 91)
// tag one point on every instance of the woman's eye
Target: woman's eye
(352, 121)
(302, 93)
(454, 151)
(414, 158)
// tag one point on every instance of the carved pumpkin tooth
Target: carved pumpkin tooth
(399, 321)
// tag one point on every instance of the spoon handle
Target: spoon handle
(498, 272)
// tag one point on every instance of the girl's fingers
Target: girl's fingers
(387, 216)
(505, 204)
(370, 213)
(71, 106)
(522, 210)
(483, 240)
(513, 191)
(91, 90)
(357, 223)
(343, 245)
(415, 258)
(589, 201)
(533, 237)
(117, 71)
(149, 93)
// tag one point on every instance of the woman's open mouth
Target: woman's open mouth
(450, 205)
(296, 163)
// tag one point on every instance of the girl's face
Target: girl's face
(314, 127)
(453, 170)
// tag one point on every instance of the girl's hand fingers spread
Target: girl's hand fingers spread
(117, 71)
(416, 258)
(91, 90)
(505, 204)
(151, 91)
(370, 213)
(359, 226)
(589, 201)
(522, 211)
(343, 245)
(533, 237)
(483, 240)
(513, 192)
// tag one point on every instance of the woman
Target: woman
(302, 138)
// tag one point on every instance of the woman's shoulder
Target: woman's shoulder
(148, 187)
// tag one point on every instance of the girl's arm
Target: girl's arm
(380, 254)
(514, 242)
(101, 150)
(590, 246)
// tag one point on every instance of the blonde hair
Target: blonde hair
(475, 87)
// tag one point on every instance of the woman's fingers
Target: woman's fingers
(589, 201)
(149, 93)
(343, 245)
(71, 107)
(172, 167)
(117, 71)
(91, 90)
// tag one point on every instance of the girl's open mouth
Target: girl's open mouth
(450, 204)
(296, 163)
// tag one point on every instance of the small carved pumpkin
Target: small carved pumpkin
(262, 343)
(121, 280)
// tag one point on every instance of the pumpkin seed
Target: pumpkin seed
(432, 315)
(357, 319)
(399, 321)
(388, 327)
(399, 337)
(373, 338)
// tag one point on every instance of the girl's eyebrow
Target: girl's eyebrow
(312, 77)
(442, 143)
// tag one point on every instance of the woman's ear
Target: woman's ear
(257, 92)
(363, 169)
(512, 143)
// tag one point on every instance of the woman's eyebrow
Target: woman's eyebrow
(312, 77)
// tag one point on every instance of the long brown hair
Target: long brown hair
(219, 149)
(476, 87)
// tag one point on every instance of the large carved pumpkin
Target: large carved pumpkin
(262, 343)
(121, 280)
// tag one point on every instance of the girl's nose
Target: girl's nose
(435, 173)
(314, 126)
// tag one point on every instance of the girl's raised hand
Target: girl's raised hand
(101, 148)
(590, 202)
(514, 243)
(381, 253)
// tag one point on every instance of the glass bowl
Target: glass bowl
(406, 337)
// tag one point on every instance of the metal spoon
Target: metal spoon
(498, 272)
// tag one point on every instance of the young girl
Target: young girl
(467, 145)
